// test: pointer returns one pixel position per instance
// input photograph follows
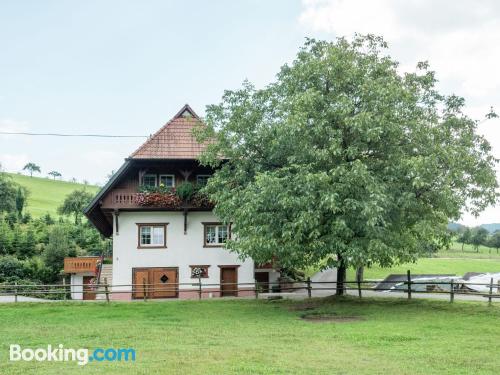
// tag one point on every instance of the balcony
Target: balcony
(131, 199)
(80, 264)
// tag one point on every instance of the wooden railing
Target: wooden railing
(80, 264)
(124, 198)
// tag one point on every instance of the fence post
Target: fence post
(491, 291)
(358, 280)
(106, 291)
(64, 288)
(144, 289)
(309, 289)
(15, 291)
(452, 291)
(256, 289)
(498, 286)
(408, 275)
(199, 287)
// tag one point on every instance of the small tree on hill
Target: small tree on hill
(465, 237)
(55, 174)
(32, 167)
(494, 240)
(74, 203)
(479, 237)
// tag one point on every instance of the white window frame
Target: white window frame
(167, 175)
(149, 175)
(152, 227)
(216, 226)
(202, 175)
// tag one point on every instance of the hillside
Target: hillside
(491, 227)
(45, 194)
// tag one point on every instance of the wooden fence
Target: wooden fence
(63, 291)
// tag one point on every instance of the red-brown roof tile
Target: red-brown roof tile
(174, 140)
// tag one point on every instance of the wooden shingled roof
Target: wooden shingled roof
(174, 140)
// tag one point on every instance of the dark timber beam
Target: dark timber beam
(116, 214)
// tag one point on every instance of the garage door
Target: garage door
(158, 282)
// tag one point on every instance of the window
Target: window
(152, 235)
(168, 180)
(149, 180)
(199, 271)
(202, 179)
(216, 234)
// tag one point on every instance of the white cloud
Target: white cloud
(13, 162)
(8, 125)
(459, 38)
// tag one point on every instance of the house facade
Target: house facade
(166, 238)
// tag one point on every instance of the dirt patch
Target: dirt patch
(304, 306)
(325, 318)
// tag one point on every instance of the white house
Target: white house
(163, 244)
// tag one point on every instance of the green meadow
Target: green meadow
(368, 336)
(46, 194)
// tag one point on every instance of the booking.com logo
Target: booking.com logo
(61, 354)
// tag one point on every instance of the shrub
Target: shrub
(185, 190)
(11, 269)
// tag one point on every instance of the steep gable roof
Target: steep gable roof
(174, 140)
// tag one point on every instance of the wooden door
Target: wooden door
(159, 282)
(262, 280)
(88, 288)
(228, 281)
(141, 277)
(164, 282)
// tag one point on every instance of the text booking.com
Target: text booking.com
(61, 354)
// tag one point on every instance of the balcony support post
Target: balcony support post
(117, 227)
(185, 220)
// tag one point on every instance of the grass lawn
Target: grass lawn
(455, 251)
(261, 337)
(46, 194)
(451, 261)
(433, 265)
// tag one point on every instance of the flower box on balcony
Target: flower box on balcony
(164, 200)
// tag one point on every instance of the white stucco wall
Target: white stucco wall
(77, 285)
(182, 249)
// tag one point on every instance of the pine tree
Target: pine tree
(27, 249)
(17, 240)
(5, 238)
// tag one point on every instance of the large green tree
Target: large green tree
(74, 203)
(344, 161)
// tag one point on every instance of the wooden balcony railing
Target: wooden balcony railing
(124, 198)
(80, 264)
(128, 198)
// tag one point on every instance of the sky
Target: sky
(126, 67)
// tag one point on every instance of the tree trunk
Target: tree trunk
(341, 274)
(359, 273)
(463, 243)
